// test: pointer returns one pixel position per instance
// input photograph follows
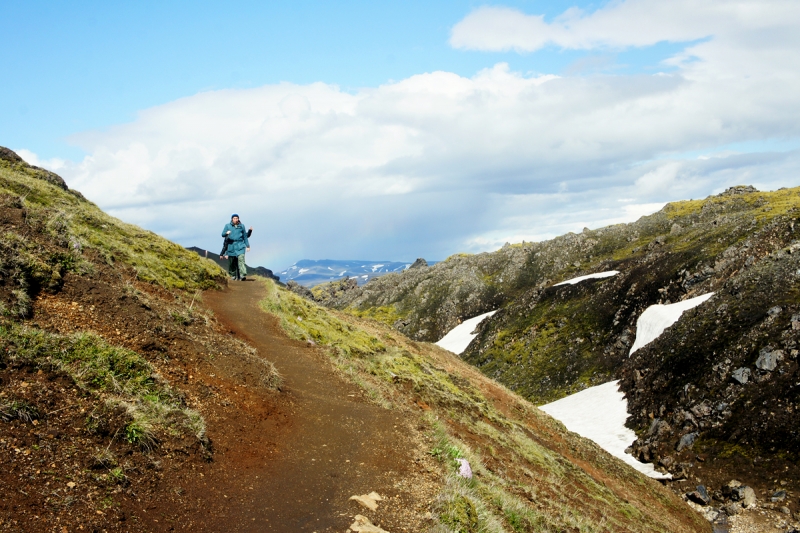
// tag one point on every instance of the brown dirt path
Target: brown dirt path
(291, 464)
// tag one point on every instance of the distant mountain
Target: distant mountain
(308, 272)
(254, 271)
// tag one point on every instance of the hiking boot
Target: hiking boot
(244, 278)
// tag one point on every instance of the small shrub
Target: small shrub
(268, 375)
(141, 433)
(20, 410)
(460, 515)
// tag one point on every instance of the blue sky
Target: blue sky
(394, 130)
(76, 66)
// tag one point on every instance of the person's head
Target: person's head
(234, 219)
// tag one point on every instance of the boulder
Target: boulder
(778, 496)
(768, 359)
(10, 155)
(729, 490)
(699, 496)
(300, 290)
(419, 263)
(686, 441)
(748, 496)
(737, 190)
(741, 375)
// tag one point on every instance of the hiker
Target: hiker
(236, 243)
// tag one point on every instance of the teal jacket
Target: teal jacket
(238, 236)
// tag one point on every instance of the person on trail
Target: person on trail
(236, 244)
(226, 241)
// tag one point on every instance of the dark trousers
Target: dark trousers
(236, 266)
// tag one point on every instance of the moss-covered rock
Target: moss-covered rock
(548, 341)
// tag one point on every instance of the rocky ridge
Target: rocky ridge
(714, 398)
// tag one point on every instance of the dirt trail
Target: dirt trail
(291, 461)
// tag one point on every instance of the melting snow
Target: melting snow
(599, 414)
(376, 267)
(458, 338)
(303, 270)
(597, 275)
(656, 318)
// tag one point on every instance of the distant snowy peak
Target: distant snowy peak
(310, 272)
(656, 318)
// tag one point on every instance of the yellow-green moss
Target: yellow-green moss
(81, 225)
(306, 320)
(387, 314)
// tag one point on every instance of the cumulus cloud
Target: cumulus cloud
(624, 24)
(439, 163)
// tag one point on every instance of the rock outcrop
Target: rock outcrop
(720, 383)
(51, 177)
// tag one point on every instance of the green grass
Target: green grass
(117, 376)
(78, 226)
(20, 410)
(305, 320)
(388, 314)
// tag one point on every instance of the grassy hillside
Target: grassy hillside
(546, 342)
(530, 473)
(99, 328)
(78, 233)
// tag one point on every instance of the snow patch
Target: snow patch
(376, 267)
(656, 318)
(599, 414)
(302, 270)
(597, 275)
(458, 338)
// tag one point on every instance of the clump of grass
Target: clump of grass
(305, 320)
(268, 375)
(104, 459)
(119, 376)
(20, 410)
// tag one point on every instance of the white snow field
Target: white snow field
(458, 338)
(598, 275)
(656, 318)
(599, 414)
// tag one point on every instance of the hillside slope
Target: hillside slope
(102, 331)
(547, 341)
(529, 473)
(127, 406)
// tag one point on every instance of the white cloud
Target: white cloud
(624, 23)
(439, 163)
